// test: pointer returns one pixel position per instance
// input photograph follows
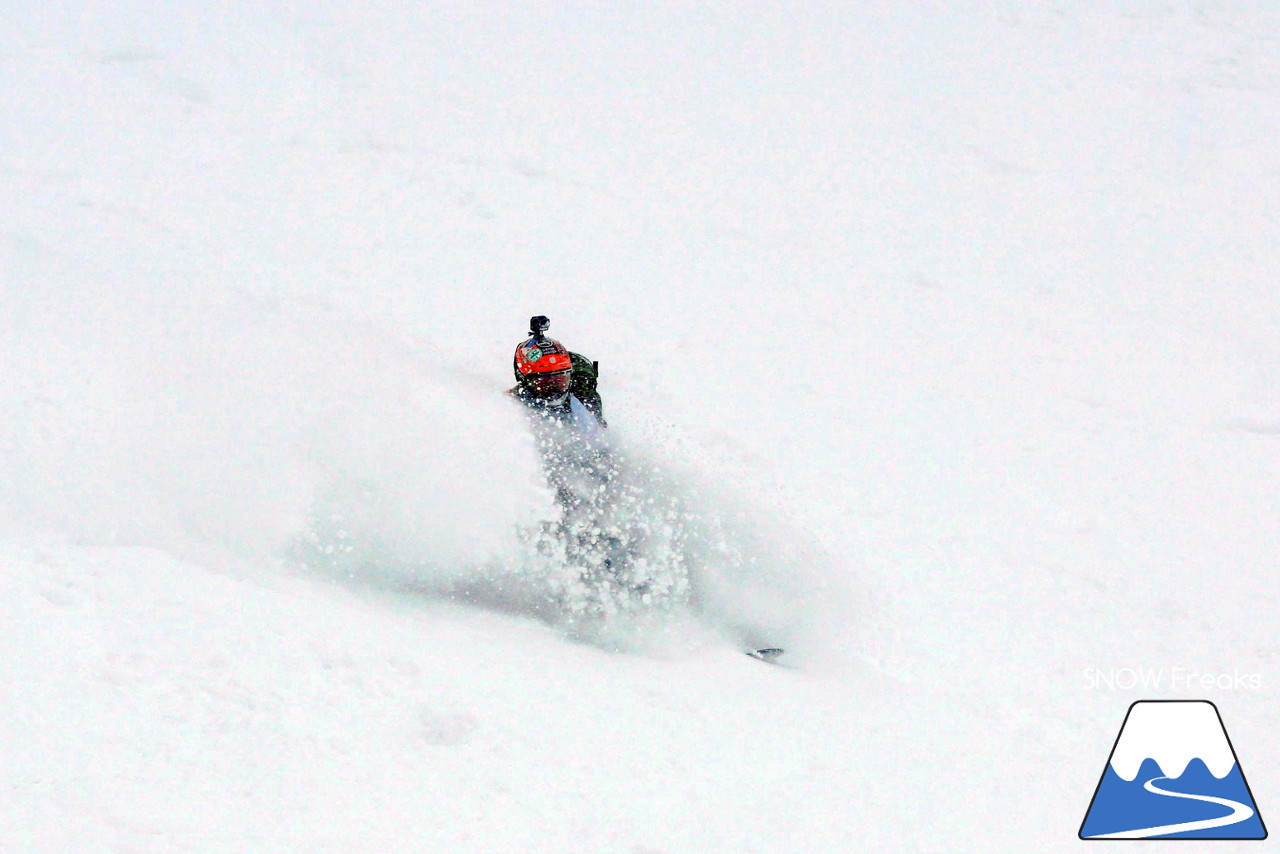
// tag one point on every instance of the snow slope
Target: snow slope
(955, 329)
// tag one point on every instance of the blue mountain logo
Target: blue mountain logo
(1173, 774)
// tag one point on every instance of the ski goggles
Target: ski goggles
(548, 385)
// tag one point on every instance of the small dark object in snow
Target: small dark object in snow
(767, 654)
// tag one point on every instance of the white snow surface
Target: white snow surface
(951, 331)
(1172, 734)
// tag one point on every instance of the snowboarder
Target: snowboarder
(549, 377)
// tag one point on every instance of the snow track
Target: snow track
(1239, 812)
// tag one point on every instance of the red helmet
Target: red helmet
(543, 365)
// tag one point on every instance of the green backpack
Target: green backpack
(585, 374)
